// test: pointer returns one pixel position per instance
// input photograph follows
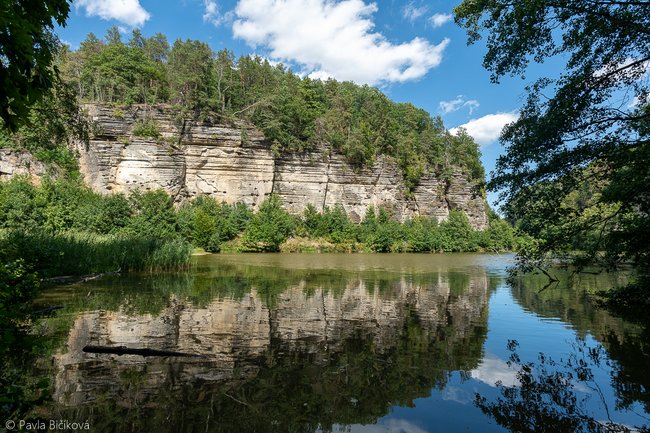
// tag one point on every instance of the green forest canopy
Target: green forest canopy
(296, 114)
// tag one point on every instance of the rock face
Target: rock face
(15, 163)
(234, 163)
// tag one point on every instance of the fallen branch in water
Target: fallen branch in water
(552, 278)
(66, 279)
(123, 350)
(47, 310)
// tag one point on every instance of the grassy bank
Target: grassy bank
(79, 253)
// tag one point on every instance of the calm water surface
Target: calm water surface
(358, 343)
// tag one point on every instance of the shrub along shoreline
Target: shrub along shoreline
(62, 226)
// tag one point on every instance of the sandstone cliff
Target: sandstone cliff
(15, 163)
(234, 163)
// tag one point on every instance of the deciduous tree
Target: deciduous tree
(27, 50)
(585, 128)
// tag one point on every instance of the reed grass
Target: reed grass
(80, 253)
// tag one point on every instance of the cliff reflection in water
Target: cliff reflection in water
(292, 352)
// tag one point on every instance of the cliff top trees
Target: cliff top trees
(190, 74)
(296, 114)
(27, 49)
(590, 132)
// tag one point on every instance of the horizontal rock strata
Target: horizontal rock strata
(234, 163)
(16, 163)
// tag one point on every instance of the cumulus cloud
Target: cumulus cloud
(486, 129)
(411, 12)
(439, 20)
(492, 370)
(212, 14)
(211, 10)
(447, 107)
(129, 12)
(333, 39)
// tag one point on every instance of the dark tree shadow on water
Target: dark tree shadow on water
(556, 396)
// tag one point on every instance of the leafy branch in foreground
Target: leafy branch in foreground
(27, 50)
(574, 172)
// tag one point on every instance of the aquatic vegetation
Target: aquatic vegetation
(79, 253)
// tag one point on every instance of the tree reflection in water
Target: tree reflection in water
(555, 396)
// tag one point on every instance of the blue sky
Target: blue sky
(411, 50)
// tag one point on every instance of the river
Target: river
(347, 342)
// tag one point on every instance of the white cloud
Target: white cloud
(472, 104)
(439, 20)
(403, 426)
(212, 14)
(69, 44)
(129, 12)
(328, 38)
(457, 394)
(639, 70)
(492, 370)
(412, 12)
(391, 425)
(211, 10)
(486, 129)
(639, 100)
(447, 107)
(320, 75)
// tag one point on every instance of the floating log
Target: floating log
(47, 310)
(69, 279)
(123, 350)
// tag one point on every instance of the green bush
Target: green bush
(113, 214)
(67, 205)
(333, 224)
(153, 215)
(208, 223)
(146, 128)
(21, 207)
(269, 227)
(500, 236)
(62, 199)
(421, 233)
(62, 156)
(456, 234)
